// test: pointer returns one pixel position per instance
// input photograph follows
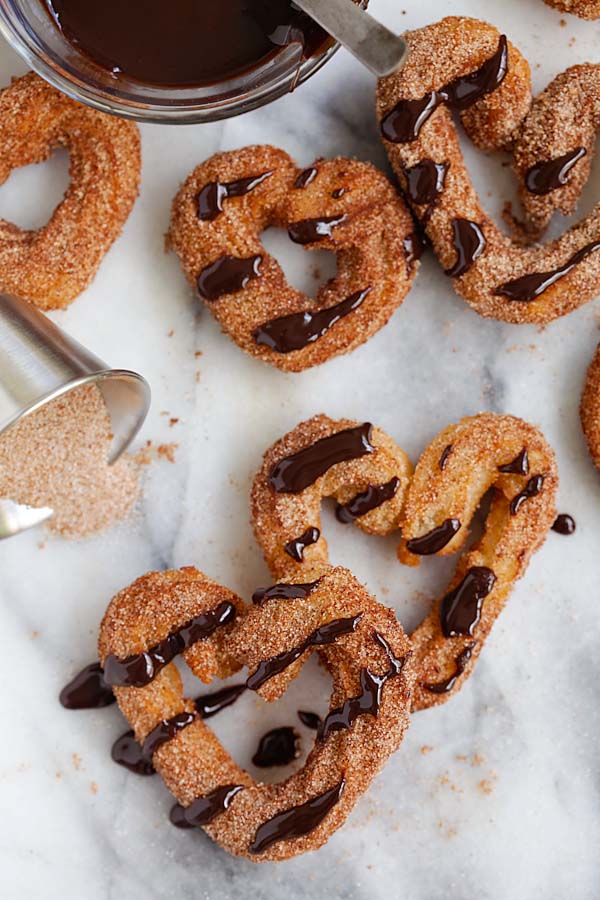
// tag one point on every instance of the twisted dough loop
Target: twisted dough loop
(433, 508)
(590, 408)
(563, 119)
(279, 519)
(193, 764)
(366, 225)
(53, 265)
(514, 530)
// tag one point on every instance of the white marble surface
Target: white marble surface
(506, 803)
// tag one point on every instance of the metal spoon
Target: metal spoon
(374, 45)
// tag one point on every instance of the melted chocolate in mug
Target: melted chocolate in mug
(183, 43)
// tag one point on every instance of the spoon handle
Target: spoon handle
(374, 45)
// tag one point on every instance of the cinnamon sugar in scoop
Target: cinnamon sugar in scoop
(58, 457)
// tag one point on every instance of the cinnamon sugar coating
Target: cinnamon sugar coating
(589, 410)
(585, 9)
(564, 117)
(194, 763)
(453, 475)
(368, 234)
(54, 264)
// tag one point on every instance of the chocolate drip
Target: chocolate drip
(204, 809)
(140, 669)
(339, 192)
(297, 821)
(165, 731)
(531, 489)
(444, 456)
(564, 524)
(413, 248)
(127, 752)
(435, 540)
(443, 687)
(424, 183)
(210, 704)
(469, 244)
(518, 466)
(309, 719)
(177, 817)
(369, 699)
(308, 231)
(325, 634)
(283, 592)
(374, 496)
(396, 663)
(544, 177)
(296, 331)
(295, 473)
(227, 275)
(296, 547)
(277, 747)
(460, 610)
(366, 703)
(528, 287)
(402, 124)
(88, 690)
(305, 177)
(210, 198)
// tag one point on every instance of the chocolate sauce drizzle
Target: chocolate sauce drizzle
(339, 192)
(460, 610)
(295, 331)
(444, 457)
(402, 124)
(210, 704)
(294, 473)
(283, 592)
(227, 275)
(564, 524)
(277, 747)
(544, 177)
(443, 687)
(425, 182)
(296, 547)
(369, 699)
(413, 248)
(309, 231)
(305, 177)
(528, 287)
(204, 809)
(325, 634)
(469, 244)
(435, 540)
(140, 669)
(297, 821)
(88, 690)
(373, 497)
(165, 731)
(127, 752)
(309, 719)
(531, 489)
(518, 466)
(212, 195)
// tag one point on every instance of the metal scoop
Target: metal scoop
(38, 363)
(374, 45)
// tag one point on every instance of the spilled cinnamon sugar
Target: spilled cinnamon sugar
(58, 457)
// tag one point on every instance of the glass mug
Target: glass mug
(28, 28)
